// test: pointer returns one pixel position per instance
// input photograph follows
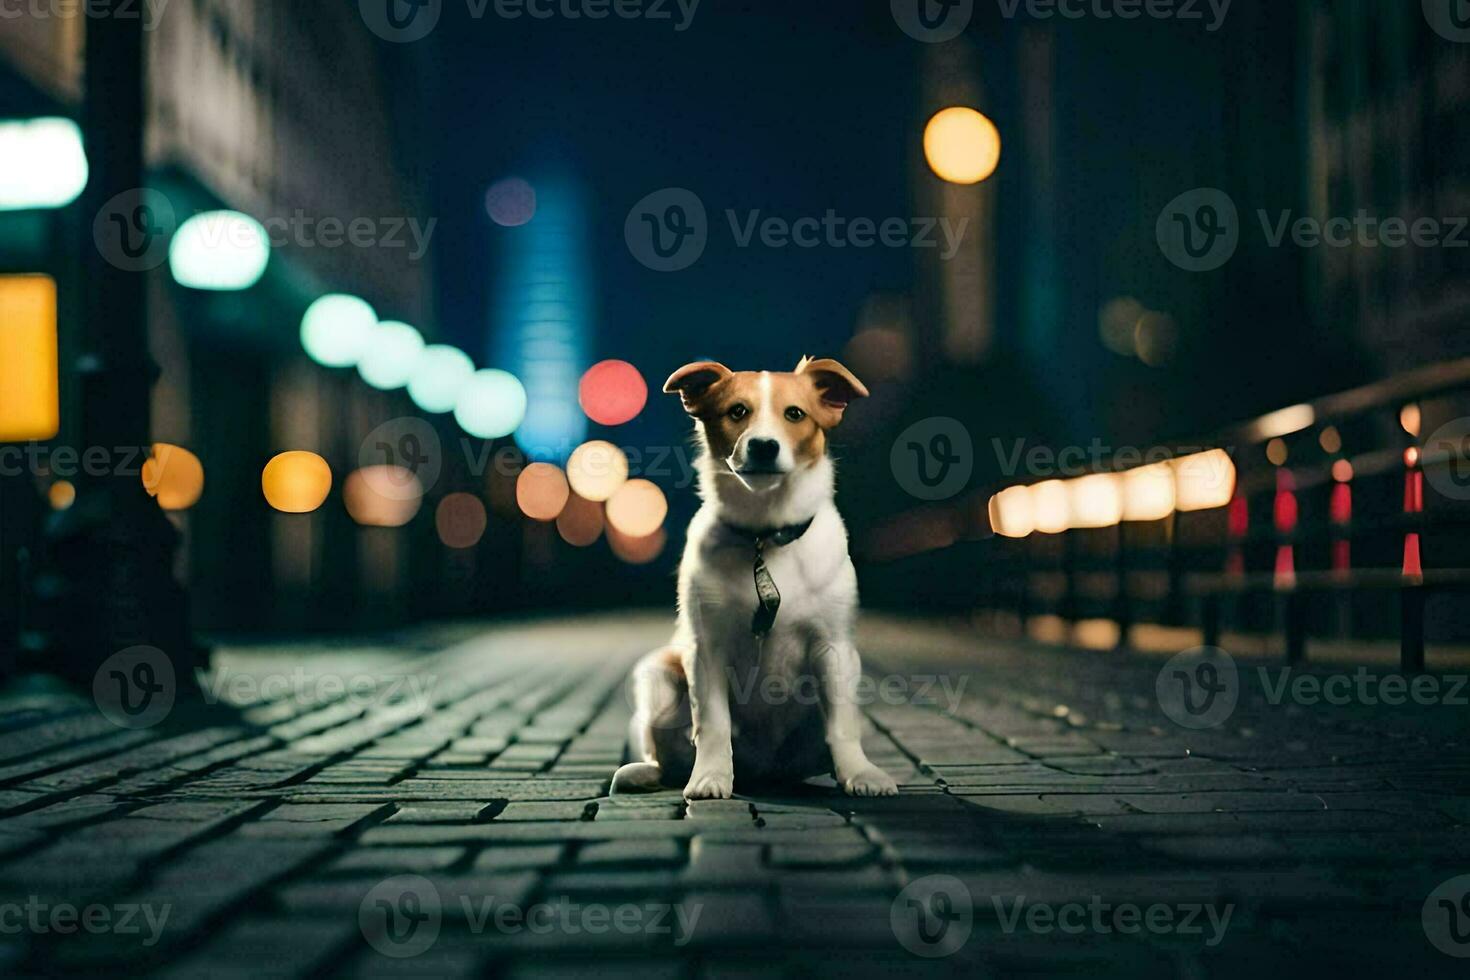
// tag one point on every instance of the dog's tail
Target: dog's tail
(637, 777)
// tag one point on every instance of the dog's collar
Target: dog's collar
(761, 537)
(768, 597)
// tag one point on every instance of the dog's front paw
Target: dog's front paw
(872, 781)
(718, 784)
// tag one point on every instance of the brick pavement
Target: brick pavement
(432, 805)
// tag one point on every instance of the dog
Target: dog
(759, 680)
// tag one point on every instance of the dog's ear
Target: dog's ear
(693, 381)
(836, 387)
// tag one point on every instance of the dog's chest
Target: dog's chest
(812, 574)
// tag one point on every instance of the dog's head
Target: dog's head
(765, 425)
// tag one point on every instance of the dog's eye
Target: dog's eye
(738, 412)
(794, 414)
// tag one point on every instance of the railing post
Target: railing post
(1411, 639)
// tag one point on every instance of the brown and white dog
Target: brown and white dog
(725, 698)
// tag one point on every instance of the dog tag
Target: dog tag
(768, 596)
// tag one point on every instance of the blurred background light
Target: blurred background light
(580, 522)
(1096, 500)
(460, 520)
(379, 496)
(30, 395)
(219, 250)
(1331, 440)
(43, 163)
(392, 353)
(491, 404)
(1277, 452)
(1117, 325)
(1411, 418)
(1342, 471)
(1011, 514)
(637, 509)
(296, 482)
(438, 375)
(612, 392)
(511, 202)
(961, 145)
(637, 551)
(1283, 423)
(541, 319)
(336, 329)
(1204, 481)
(174, 476)
(1148, 493)
(61, 495)
(597, 470)
(1051, 507)
(541, 491)
(1156, 337)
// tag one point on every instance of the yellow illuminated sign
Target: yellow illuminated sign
(30, 401)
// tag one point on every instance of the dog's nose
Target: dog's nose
(763, 450)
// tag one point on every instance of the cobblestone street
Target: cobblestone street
(434, 804)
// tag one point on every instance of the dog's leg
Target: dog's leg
(713, 777)
(839, 669)
(658, 735)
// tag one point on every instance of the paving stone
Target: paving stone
(519, 858)
(390, 859)
(314, 820)
(516, 812)
(441, 813)
(631, 852)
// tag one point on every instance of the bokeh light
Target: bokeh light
(336, 329)
(379, 496)
(219, 250)
(597, 470)
(296, 482)
(637, 509)
(438, 375)
(1277, 452)
(1011, 513)
(637, 551)
(42, 163)
(1411, 418)
(1051, 505)
(460, 520)
(61, 495)
(1156, 336)
(1148, 493)
(1330, 440)
(1204, 481)
(580, 522)
(1117, 325)
(392, 354)
(542, 491)
(961, 145)
(1096, 500)
(30, 400)
(511, 202)
(1342, 471)
(879, 354)
(612, 392)
(174, 476)
(491, 404)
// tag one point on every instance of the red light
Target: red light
(612, 393)
(1411, 456)
(1342, 504)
